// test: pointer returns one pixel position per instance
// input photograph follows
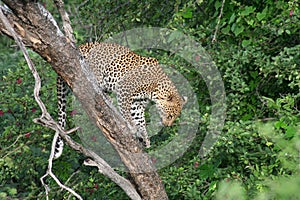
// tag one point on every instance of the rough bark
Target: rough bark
(39, 32)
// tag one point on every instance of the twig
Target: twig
(12, 151)
(82, 4)
(218, 23)
(12, 144)
(15, 149)
(69, 179)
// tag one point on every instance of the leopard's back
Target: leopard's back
(135, 79)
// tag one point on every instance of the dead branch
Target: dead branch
(50, 173)
(218, 23)
(65, 19)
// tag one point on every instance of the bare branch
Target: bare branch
(50, 173)
(218, 23)
(103, 167)
(72, 175)
(19, 136)
(66, 20)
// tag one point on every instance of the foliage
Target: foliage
(258, 54)
(21, 140)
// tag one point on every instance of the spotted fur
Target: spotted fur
(61, 88)
(135, 80)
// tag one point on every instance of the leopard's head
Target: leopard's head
(170, 104)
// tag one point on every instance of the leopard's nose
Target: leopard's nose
(167, 122)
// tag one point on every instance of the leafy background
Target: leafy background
(257, 53)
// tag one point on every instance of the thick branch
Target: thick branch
(40, 32)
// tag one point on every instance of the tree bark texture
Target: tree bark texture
(39, 31)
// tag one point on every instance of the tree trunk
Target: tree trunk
(39, 31)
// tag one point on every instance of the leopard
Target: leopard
(61, 90)
(136, 80)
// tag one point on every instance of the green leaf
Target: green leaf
(187, 13)
(237, 30)
(262, 15)
(280, 124)
(248, 10)
(269, 144)
(232, 18)
(250, 22)
(207, 171)
(226, 29)
(246, 42)
(217, 5)
(290, 132)
(280, 31)
(12, 191)
(9, 162)
(199, 2)
(3, 195)
(253, 74)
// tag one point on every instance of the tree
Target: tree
(38, 30)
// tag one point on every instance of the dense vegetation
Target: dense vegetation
(258, 54)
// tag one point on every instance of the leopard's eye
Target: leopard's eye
(169, 98)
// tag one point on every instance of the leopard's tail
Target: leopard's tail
(61, 99)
